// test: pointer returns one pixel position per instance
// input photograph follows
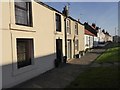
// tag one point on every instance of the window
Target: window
(68, 26)
(23, 13)
(76, 45)
(76, 28)
(58, 23)
(24, 52)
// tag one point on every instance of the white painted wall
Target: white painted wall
(86, 41)
(95, 43)
(91, 41)
(101, 36)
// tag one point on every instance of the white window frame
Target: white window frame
(68, 26)
(16, 70)
(76, 28)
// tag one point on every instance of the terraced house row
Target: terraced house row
(36, 36)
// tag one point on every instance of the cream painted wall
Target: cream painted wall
(60, 35)
(0, 46)
(81, 37)
(71, 36)
(43, 33)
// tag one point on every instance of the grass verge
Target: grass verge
(110, 55)
(99, 77)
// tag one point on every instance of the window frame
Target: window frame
(76, 28)
(68, 26)
(29, 47)
(58, 22)
(28, 12)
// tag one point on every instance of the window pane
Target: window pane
(21, 4)
(58, 22)
(23, 13)
(21, 16)
(24, 52)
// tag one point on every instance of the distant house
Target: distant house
(95, 41)
(108, 37)
(88, 39)
(101, 36)
(116, 39)
(93, 30)
(75, 38)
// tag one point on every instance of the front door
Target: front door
(59, 49)
(69, 49)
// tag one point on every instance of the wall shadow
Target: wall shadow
(12, 77)
(42, 67)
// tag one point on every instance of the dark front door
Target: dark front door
(59, 49)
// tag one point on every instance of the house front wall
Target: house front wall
(60, 35)
(81, 37)
(101, 36)
(70, 38)
(0, 46)
(86, 41)
(43, 35)
(91, 41)
(95, 42)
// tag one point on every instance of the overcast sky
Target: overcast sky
(104, 14)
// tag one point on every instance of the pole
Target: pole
(65, 37)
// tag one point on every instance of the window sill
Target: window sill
(22, 28)
(58, 32)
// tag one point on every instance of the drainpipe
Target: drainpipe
(66, 16)
(74, 45)
(65, 37)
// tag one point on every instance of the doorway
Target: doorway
(69, 49)
(59, 53)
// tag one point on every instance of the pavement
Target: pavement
(63, 75)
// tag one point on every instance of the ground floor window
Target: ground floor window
(76, 45)
(24, 52)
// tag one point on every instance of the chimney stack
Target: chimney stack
(66, 11)
(94, 25)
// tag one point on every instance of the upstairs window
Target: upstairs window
(24, 52)
(58, 23)
(68, 26)
(23, 13)
(76, 28)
